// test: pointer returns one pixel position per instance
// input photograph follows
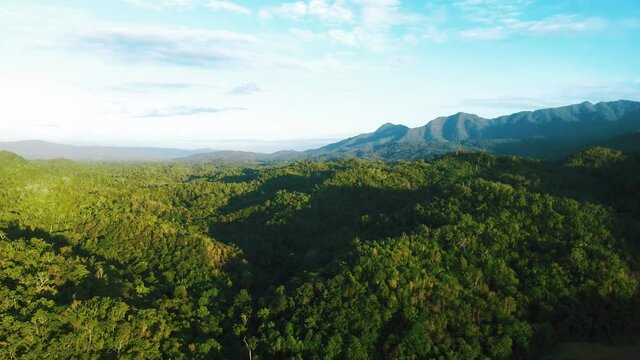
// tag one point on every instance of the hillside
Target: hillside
(9, 158)
(466, 256)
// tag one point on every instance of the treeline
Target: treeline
(468, 256)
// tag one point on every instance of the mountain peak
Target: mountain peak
(388, 126)
(463, 115)
(587, 105)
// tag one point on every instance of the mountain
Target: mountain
(547, 133)
(37, 149)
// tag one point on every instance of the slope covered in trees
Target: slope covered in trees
(467, 256)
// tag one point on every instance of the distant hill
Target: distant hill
(244, 157)
(37, 149)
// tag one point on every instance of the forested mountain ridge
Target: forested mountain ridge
(571, 127)
(467, 256)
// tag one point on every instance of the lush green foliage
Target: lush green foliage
(469, 256)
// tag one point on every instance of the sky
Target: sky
(271, 75)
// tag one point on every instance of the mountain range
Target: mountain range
(546, 134)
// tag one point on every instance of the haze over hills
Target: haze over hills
(546, 133)
(43, 150)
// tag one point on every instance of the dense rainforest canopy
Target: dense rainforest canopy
(468, 256)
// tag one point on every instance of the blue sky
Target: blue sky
(272, 75)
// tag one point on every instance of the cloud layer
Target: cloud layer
(176, 46)
(228, 6)
(244, 89)
(186, 111)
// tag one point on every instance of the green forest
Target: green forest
(466, 256)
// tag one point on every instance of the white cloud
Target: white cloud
(377, 12)
(177, 46)
(306, 35)
(161, 4)
(561, 23)
(490, 33)
(189, 4)
(382, 13)
(142, 87)
(366, 13)
(7, 13)
(432, 24)
(244, 89)
(186, 111)
(503, 18)
(371, 39)
(295, 10)
(508, 102)
(228, 6)
(332, 63)
(369, 21)
(336, 11)
(343, 37)
(491, 11)
(554, 24)
(372, 29)
(194, 48)
(435, 34)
